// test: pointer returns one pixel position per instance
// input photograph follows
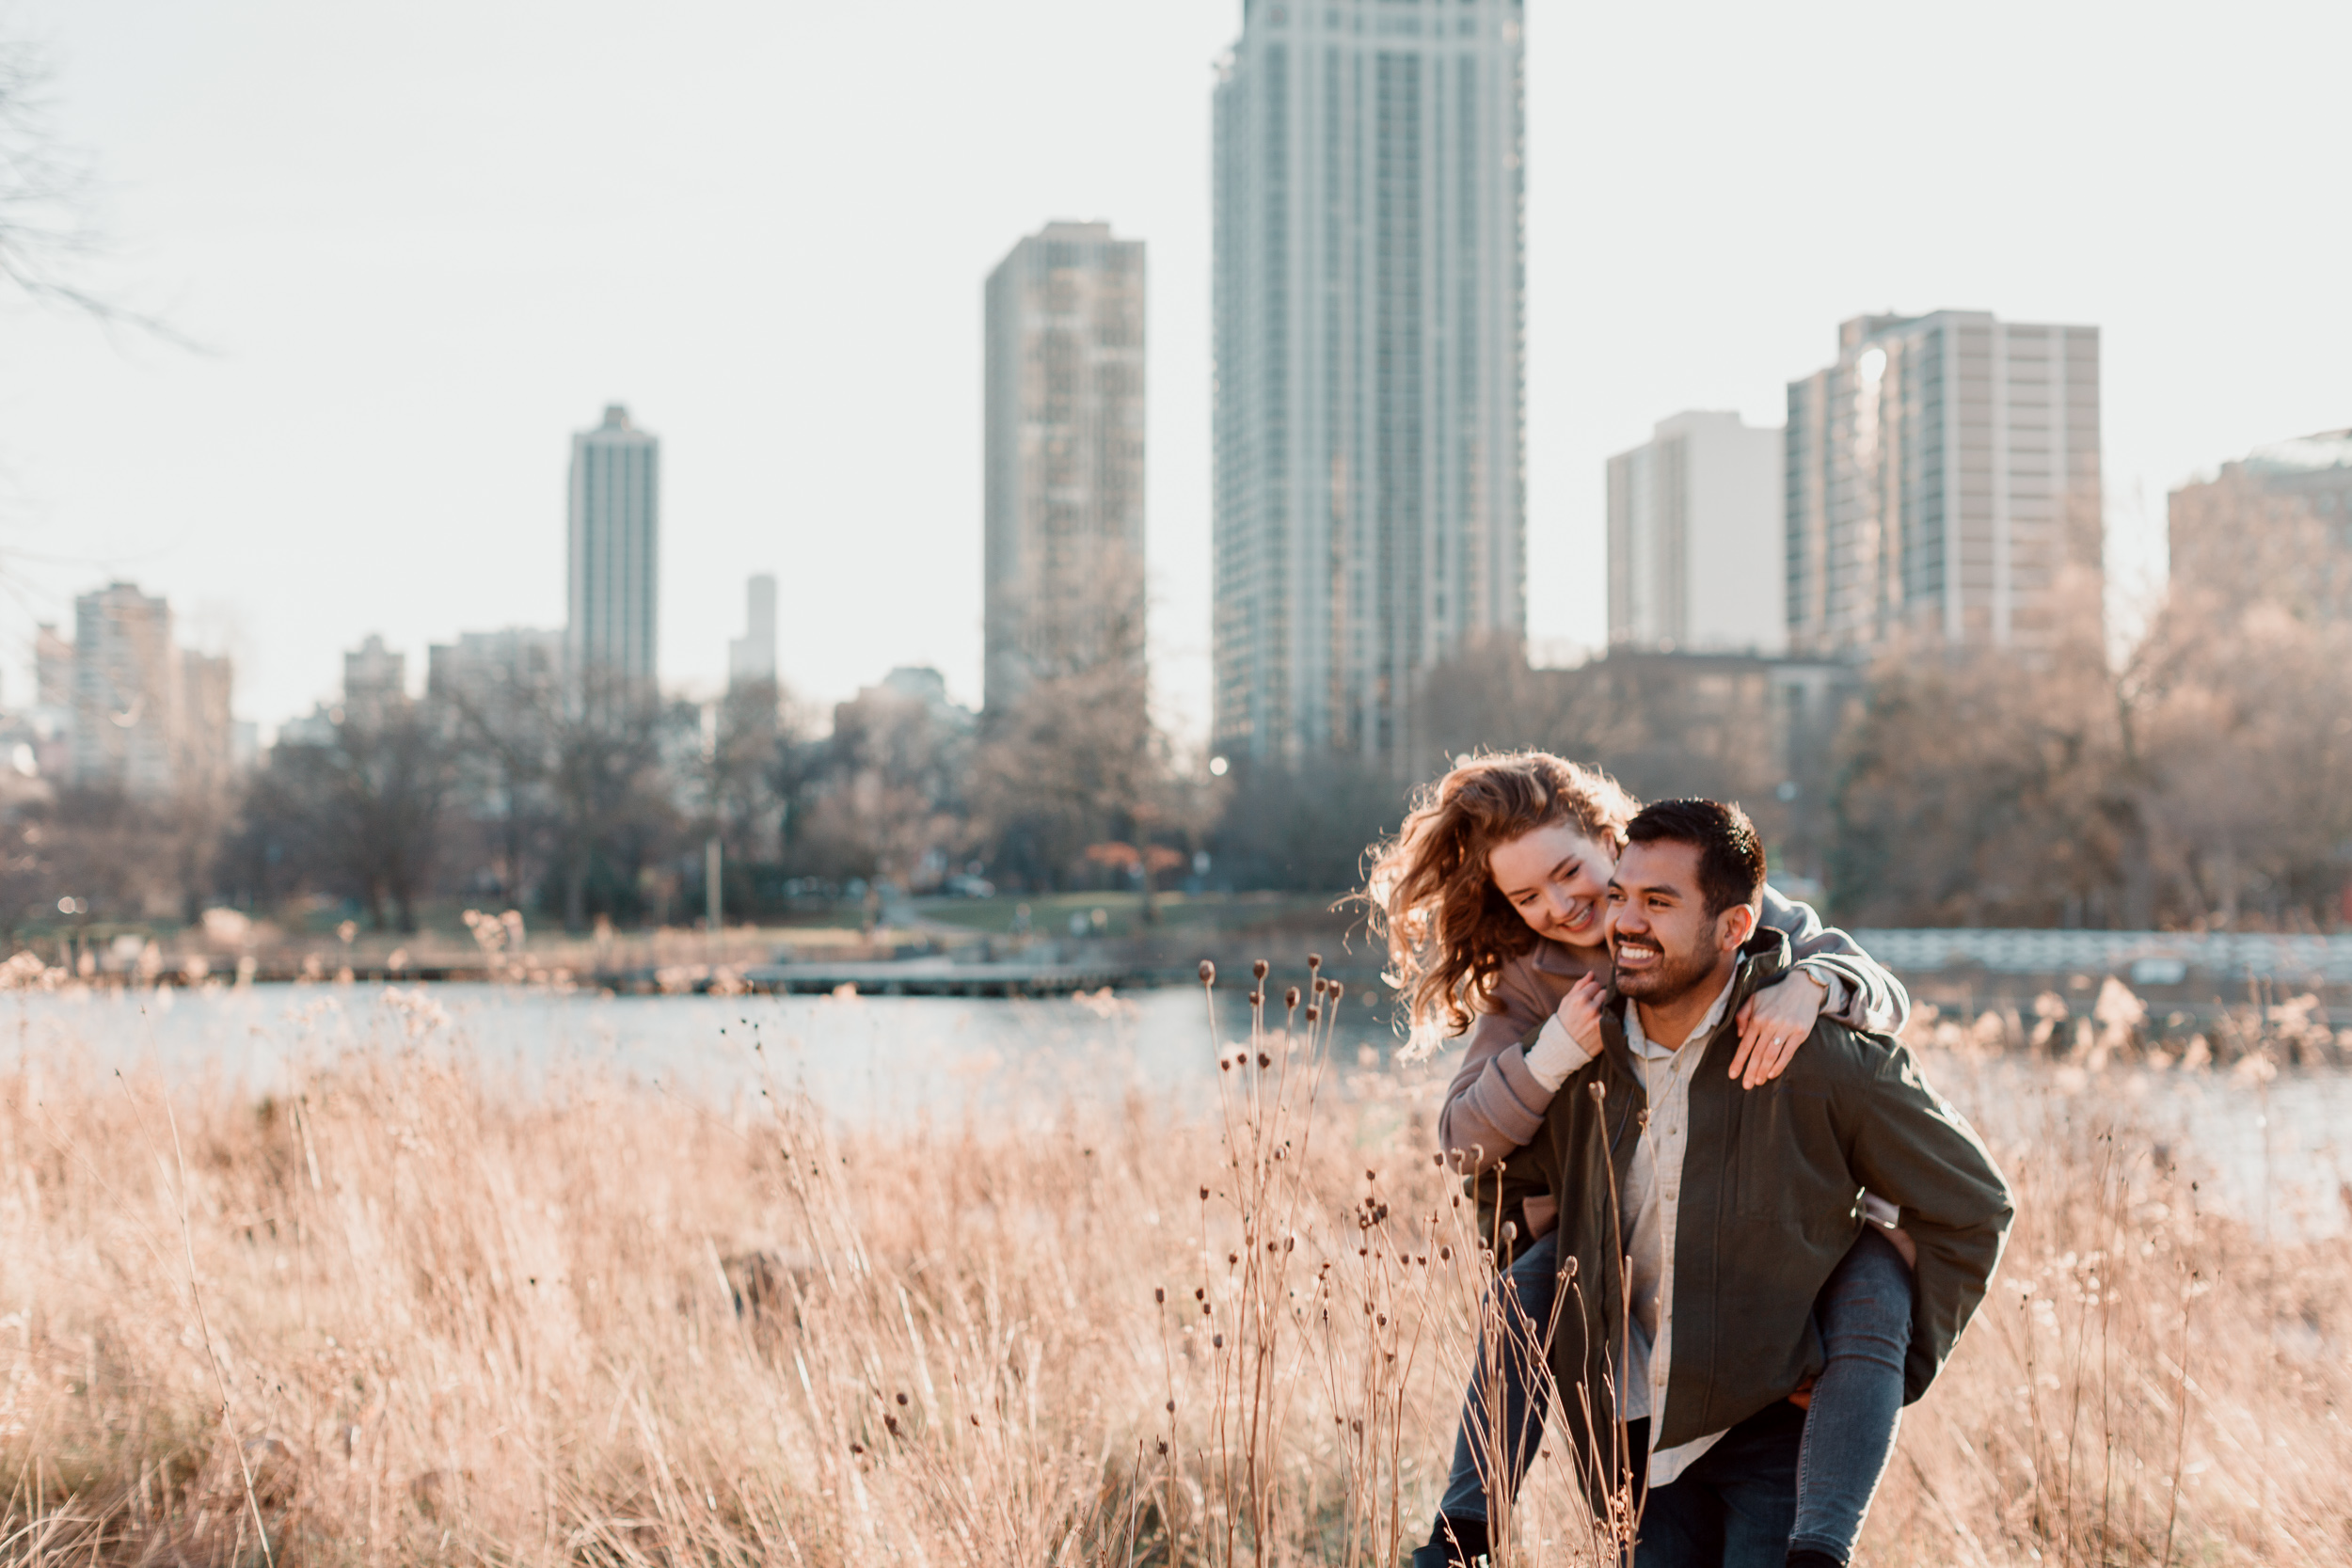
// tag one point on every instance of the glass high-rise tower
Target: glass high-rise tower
(1370, 506)
(614, 556)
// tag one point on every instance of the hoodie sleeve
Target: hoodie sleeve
(1875, 1002)
(1911, 1148)
(1495, 1103)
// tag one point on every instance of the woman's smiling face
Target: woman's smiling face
(1557, 879)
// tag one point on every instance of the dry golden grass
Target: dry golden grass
(454, 1322)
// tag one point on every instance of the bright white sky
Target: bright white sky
(428, 241)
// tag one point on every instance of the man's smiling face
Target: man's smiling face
(1661, 939)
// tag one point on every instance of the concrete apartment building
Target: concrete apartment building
(149, 719)
(2281, 517)
(613, 556)
(1370, 280)
(1696, 563)
(498, 679)
(376, 681)
(1064, 463)
(1944, 484)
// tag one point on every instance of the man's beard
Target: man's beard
(1667, 981)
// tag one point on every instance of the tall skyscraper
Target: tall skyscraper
(1064, 467)
(1695, 559)
(1943, 483)
(1370, 506)
(753, 656)
(615, 555)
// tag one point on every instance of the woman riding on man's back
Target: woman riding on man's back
(1491, 897)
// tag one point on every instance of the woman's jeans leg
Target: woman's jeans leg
(1865, 1317)
(1523, 1313)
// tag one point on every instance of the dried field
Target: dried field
(410, 1314)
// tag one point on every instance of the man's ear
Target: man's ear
(1735, 925)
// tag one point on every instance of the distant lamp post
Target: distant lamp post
(710, 880)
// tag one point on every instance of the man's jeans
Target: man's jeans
(1484, 1461)
(1865, 1317)
(1734, 1506)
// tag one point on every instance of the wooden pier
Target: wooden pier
(945, 977)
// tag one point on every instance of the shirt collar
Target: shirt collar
(1644, 1046)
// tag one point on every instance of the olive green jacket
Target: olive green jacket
(1771, 1201)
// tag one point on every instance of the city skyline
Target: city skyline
(453, 265)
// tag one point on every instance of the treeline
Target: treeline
(2205, 779)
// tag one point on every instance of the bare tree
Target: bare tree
(361, 816)
(886, 798)
(1072, 765)
(613, 811)
(52, 246)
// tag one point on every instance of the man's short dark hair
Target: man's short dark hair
(1731, 857)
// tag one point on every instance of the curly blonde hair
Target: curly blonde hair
(1448, 927)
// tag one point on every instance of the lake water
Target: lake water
(2275, 1153)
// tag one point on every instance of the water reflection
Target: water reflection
(2268, 1151)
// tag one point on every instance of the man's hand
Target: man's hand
(1773, 1023)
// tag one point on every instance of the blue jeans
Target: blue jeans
(1501, 1426)
(1734, 1506)
(1863, 1314)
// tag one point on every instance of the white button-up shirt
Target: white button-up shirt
(1648, 1205)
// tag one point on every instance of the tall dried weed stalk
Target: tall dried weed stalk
(408, 1311)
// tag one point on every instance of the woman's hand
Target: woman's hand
(1773, 1023)
(1580, 1013)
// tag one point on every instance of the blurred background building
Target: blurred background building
(147, 719)
(496, 677)
(376, 682)
(1943, 482)
(1696, 559)
(1064, 588)
(753, 656)
(1368, 309)
(2277, 522)
(614, 554)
